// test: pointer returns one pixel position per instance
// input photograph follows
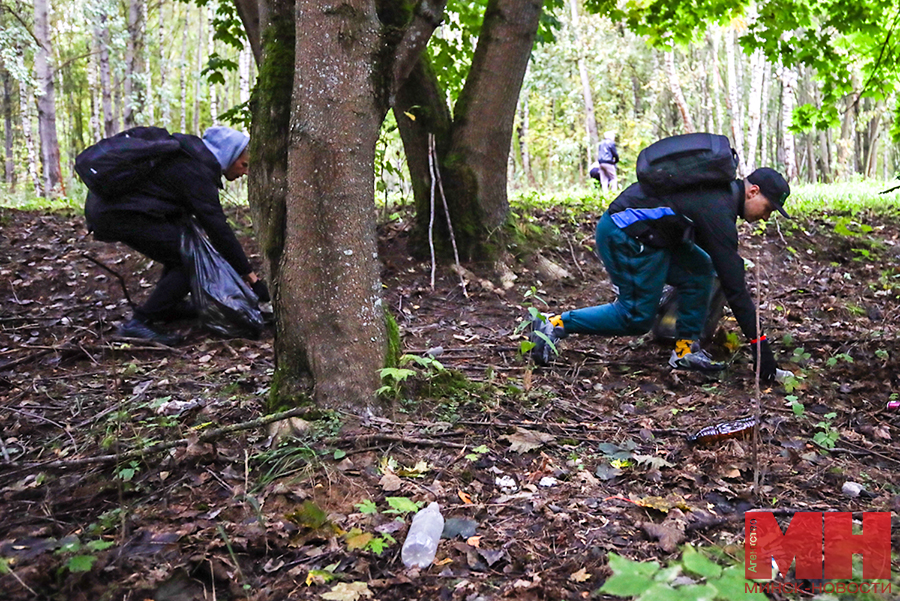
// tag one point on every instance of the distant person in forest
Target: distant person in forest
(645, 243)
(152, 216)
(607, 157)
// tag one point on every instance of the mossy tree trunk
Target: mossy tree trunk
(473, 147)
(317, 112)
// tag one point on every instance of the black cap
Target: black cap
(773, 186)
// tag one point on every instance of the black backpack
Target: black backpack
(686, 161)
(115, 165)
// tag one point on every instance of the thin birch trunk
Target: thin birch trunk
(244, 60)
(102, 34)
(213, 89)
(845, 166)
(590, 121)
(789, 100)
(737, 124)
(9, 168)
(131, 50)
(811, 160)
(25, 114)
(873, 134)
(183, 67)
(523, 140)
(199, 67)
(754, 108)
(715, 35)
(675, 86)
(46, 103)
(164, 104)
(93, 74)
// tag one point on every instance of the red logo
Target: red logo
(823, 545)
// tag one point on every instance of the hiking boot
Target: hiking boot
(551, 327)
(137, 328)
(689, 355)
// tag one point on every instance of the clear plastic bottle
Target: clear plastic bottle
(422, 540)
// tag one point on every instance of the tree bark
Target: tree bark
(754, 109)
(9, 167)
(678, 94)
(714, 36)
(789, 83)
(737, 121)
(102, 35)
(212, 88)
(198, 65)
(165, 107)
(134, 90)
(46, 103)
(183, 65)
(25, 99)
(590, 122)
(524, 142)
(473, 152)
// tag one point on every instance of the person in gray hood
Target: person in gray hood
(151, 217)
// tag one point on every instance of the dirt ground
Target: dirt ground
(118, 482)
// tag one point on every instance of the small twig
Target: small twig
(42, 418)
(437, 176)
(756, 398)
(115, 273)
(431, 215)
(575, 259)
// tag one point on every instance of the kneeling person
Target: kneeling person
(682, 240)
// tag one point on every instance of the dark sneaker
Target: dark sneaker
(695, 359)
(551, 328)
(135, 328)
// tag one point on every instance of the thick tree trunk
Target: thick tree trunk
(331, 319)
(9, 168)
(46, 101)
(590, 122)
(675, 87)
(473, 164)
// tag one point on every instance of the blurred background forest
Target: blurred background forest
(74, 72)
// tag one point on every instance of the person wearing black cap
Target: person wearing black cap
(151, 218)
(646, 242)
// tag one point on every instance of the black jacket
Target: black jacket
(606, 152)
(708, 217)
(186, 184)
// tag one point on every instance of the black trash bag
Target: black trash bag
(667, 314)
(227, 306)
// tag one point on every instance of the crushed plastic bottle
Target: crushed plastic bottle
(893, 405)
(782, 374)
(422, 540)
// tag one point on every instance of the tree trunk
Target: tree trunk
(165, 107)
(46, 101)
(25, 99)
(754, 106)
(715, 34)
(183, 69)
(845, 159)
(524, 142)
(102, 34)
(212, 88)
(244, 60)
(872, 135)
(93, 75)
(789, 83)
(134, 93)
(737, 122)
(198, 64)
(473, 152)
(675, 87)
(9, 168)
(590, 122)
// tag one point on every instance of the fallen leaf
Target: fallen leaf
(390, 482)
(522, 440)
(348, 591)
(357, 539)
(882, 432)
(670, 533)
(465, 497)
(474, 541)
(579, 576)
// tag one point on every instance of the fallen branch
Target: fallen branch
(209, 436)
(115, 273)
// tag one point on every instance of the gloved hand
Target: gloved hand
(767, 366)
(261, 291)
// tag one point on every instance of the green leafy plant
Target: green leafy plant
(368, 507)
(827, 435)
(832, 361)
(402, 506)
(649, 581)
(477, 453)
(796, 406)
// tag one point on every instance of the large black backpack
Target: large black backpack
(115, 165)
(686, 161)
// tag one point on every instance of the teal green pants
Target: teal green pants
(640, 272)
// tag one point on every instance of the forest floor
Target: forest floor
(116, 481)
